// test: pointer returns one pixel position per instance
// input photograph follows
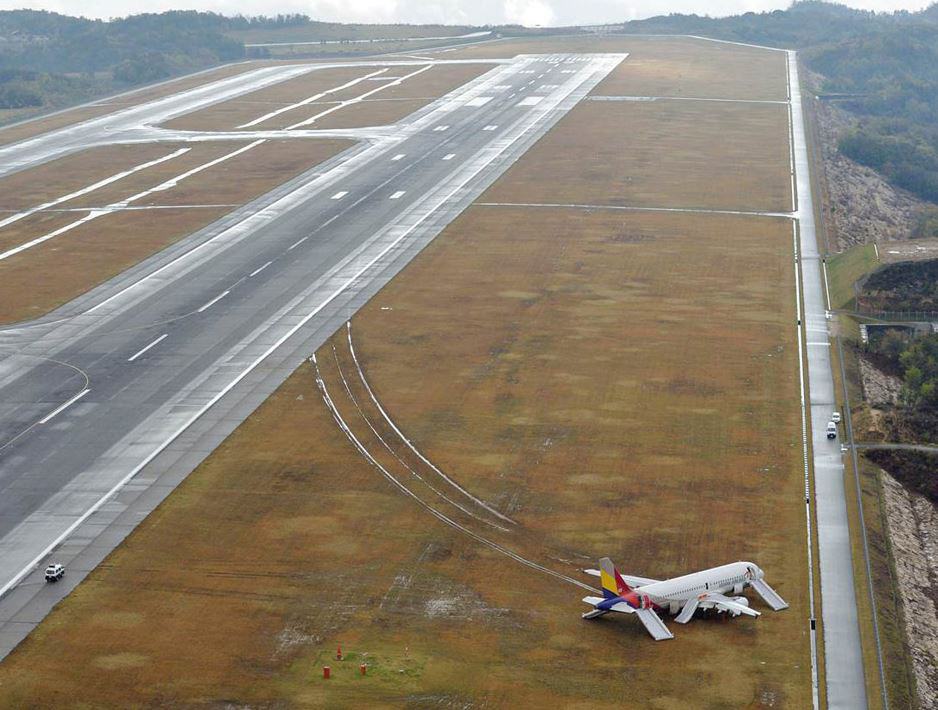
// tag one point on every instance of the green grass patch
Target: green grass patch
(844, 269)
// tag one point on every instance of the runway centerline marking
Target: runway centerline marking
(62, 408)
(441, 128)
(449, 156)
(339, 195)
(143, 350)
(490, 127)
(213, 301)
(259, 269)
(397, 195)
(296, 243)
(398, 156)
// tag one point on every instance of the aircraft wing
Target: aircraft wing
(630, 579)
(769, 595)
(653, 624)
(723, 602)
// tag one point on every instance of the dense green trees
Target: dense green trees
(919, 364)
(50, 59)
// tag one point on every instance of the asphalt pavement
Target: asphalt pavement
(108, 403)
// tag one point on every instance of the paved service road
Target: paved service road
(111, 401)
(843, 659)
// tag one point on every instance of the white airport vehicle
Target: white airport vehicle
(54, 572)
(835, 417)
(831, 430)
(680, 596)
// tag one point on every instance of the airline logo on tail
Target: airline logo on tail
(612, 582)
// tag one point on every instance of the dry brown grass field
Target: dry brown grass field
(664, 66)
(615, 383)
(228, 115)
(685, 154)
(389, 105)
(35, 186)
(102, 248)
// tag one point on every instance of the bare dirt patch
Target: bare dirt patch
(659, 154)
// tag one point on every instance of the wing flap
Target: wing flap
(769, 595)
(726, 604)
(653, 625)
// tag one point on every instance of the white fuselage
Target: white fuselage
(725, 579)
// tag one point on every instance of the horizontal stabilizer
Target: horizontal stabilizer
(769, 595)
(687, 612)
(592, 600)
(654, 625)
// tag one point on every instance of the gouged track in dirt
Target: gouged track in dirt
(408, 442)
(356, 442)
(354, 400)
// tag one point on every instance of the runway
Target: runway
(108, 403)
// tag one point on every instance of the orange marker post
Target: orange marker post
(338, 653)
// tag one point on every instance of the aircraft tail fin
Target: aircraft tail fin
(612, 582)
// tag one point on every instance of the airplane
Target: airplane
(681, 596)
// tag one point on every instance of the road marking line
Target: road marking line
(398, 156)
(65, 406)
(91, 188)
(143, 350)
(441, 128)
(449, 156)
(397, 195)
(213, 301)
(339, 195)
(310, 99)
(490, 127)
(357, 99)
(296, 243)
(259, 269)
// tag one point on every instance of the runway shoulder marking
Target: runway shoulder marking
(397, 195)
(340, 194)
(65, 406)
(151, 345)
(479, 101)
(530, 101)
